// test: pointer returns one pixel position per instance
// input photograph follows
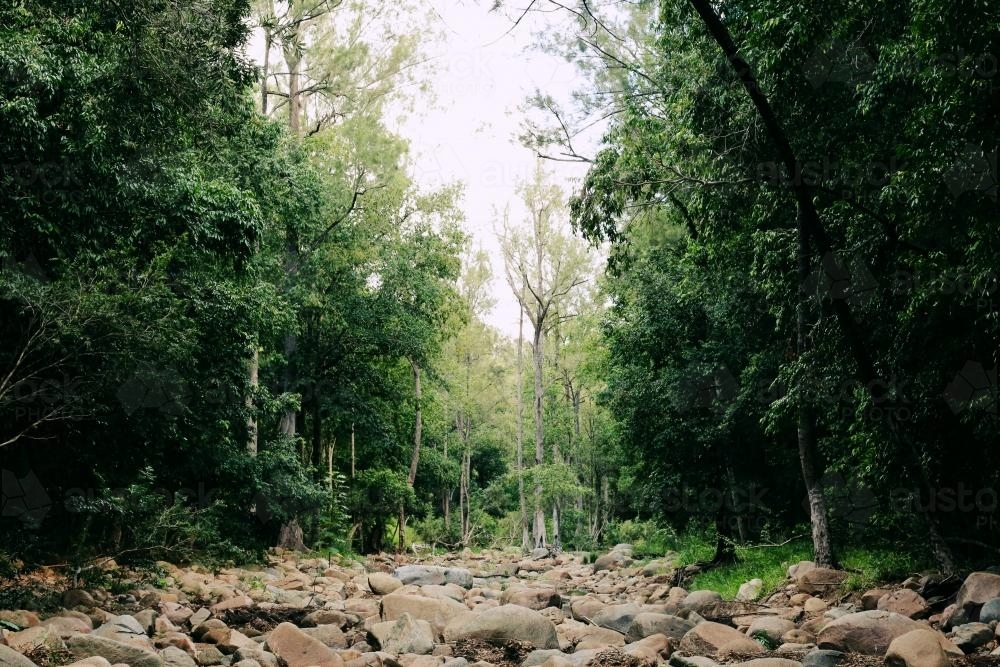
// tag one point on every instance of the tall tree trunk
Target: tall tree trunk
(288, 425)
(808, 446)
(253, 372)
(418, 429)
(525, 533)
(265, 70)
(352, 449)
(294, 95)
(418, 426)
(446, 494)
(556, 526)
(464, 495)
(317, 430)
(537, 358)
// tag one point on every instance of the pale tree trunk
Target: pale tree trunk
(808, 447)
(288, 425)
(525, 533)
(464, 496)
(294, 96)
(265, 70)
(418, 429)
(536, 353)
(254, 375)
(291, 534)
(446, 494)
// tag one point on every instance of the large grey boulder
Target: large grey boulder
(617, 617)
(504, 623)
(921, 648)
(84, 646)
(404, 635)
(11, 658)
(651, 623)
(712, 638)
(868, 632)
(436, 611)
(977, 589)
(422, 575)
(971, 636)
(295, 648)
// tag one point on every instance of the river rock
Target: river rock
(295, 648)
(504, 623)
(713, 638)
(990, 611)
(534, 597)
(617, 617)
(750, 590)
(436, 611)
(11, 658)
(822, 658)
(84, 646)
(433, 574)
(920, 648)
(977, 589)
(646, 624)
(31, 639)
(819, 580)
(971, 636)
(701, 599)
(772, 628)
(381, 583)
(907, 602)
(868, 632)
(404, 635)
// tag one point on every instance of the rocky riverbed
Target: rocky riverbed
(501, 609)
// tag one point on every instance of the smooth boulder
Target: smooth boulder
(510, 622)
(295, 648)
(868, 632)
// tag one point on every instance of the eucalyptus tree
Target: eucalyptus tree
(543, 266)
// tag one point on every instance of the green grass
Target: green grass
(873, 566)
(870, 566)
(769, 563)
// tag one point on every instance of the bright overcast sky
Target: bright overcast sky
(483, 71)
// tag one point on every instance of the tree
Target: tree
(543, 267)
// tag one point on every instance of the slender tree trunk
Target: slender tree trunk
(822, 544)
(288, 425)
(537, 358)
(294, 96)
(446, 494)
(352, 449)
(265, 70)
(464, 496)
(525, 533)
(317, 430)
(418, 429)
(808, 446)
(254, 375)
(556, 526)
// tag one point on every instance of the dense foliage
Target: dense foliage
(885, 348)
(229, 318)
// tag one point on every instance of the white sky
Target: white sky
(482, 72)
